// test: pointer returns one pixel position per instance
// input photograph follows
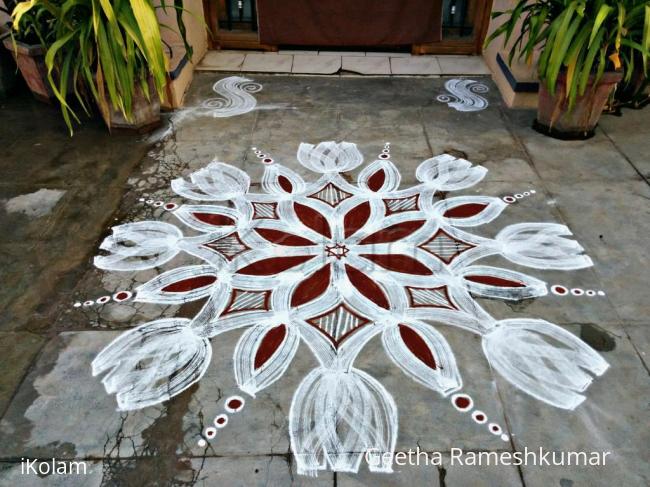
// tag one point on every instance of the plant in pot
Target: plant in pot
(107, 51)
(585, 49)
(633, 91)
(28, 49)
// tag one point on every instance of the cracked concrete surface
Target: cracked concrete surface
(51, 406)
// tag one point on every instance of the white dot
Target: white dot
(77, 304)
(479, 416)
(505, 437)
(494, 428)
(519, 196)
(202, 443)
(601, 293)
(532, 191)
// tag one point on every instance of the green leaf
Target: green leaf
(589, 61)
(602, 14)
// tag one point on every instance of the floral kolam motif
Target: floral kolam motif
(333, 264)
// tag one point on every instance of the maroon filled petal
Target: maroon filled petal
(393, 233)
(399, 263)
(189, 284)
(366, 286)
(312, 287)
(269, 345)
(376, 181)
(465, 211)
(356, 218)
(285, 184)
(214, 219)
(494, 281)
(417, 346)
(273, 265)
(282, 238)
(312, 219)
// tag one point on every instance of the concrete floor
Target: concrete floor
(58, 196)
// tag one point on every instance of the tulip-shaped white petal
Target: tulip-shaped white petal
(543, 360)
(152, 363)
(263, 354)
(469, 211)
(380, 177)
(493, 282)
(138, 246)
(329, 156)
(542, 246)
(336, 417)
(178, 286)
(215, 182)
(424, 355)
(448, 173)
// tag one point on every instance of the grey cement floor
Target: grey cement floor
(58, 196)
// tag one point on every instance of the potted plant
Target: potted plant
(107, 51)
(633, 92)
(28, 49)
(585, 49)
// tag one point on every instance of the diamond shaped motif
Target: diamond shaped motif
(338, 323)
(265, 211)
(331, 194)
(242, 300)
(401, 205)
(436, 297)
(445, 247)
(229, 246)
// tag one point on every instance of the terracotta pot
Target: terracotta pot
(554, 118)
(31, 63)
(146, 113)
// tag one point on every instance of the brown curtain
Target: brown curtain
(349, 22)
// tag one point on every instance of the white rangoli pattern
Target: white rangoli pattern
(234, 98)
(464, 95)
(333, 264)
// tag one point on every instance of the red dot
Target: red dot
(122, 295)
(234, 404)
(221, 420)
(462, 402)
(495, 428)
(480, 417)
